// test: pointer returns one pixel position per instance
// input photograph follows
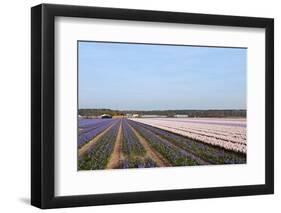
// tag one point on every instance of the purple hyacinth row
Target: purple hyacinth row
(86, 123)
(131, 145)
(97, 127)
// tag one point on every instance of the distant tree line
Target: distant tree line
(98, 112)
(169, 113)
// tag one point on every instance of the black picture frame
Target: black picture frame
(43, 102)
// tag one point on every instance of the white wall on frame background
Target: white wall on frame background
(15, 93)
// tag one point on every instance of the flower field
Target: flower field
(226, 133)
(122, 143)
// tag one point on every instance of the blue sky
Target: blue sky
(159, 77)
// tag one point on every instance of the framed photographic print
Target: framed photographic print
(139, 106)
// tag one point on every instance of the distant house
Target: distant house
(132, 115)
(153, 116)
(181, 116)
(106, 116)
(128, 115)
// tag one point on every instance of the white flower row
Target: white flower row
(228, 137)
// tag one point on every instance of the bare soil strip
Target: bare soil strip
(115, 157)
(153, 154)
(84, 149)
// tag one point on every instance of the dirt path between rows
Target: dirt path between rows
(83, 150)
(115, 157)
(153, 154)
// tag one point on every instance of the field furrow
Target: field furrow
(114, 161)
(151, 153)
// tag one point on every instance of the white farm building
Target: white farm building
(181, 116)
